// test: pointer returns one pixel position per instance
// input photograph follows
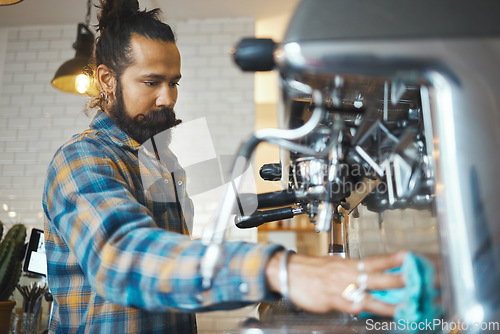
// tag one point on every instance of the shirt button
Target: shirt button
(244, 288)
(198, 298)
(179, 182)
(166, 181)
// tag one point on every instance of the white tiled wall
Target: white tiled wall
(35, 118)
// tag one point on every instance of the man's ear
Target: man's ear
(107, 80)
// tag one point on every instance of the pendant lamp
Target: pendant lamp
(9, 2)
(75, 75)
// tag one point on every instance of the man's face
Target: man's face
(147, 90)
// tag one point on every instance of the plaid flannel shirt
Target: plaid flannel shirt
(118, 256)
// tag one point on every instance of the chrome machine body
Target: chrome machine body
(416, 87)
(400, 102)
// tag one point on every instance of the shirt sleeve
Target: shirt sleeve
(122, 253)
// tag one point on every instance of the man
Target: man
(119, 259)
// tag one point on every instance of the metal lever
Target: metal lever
(260, 217)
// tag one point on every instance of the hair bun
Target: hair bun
(114, 12)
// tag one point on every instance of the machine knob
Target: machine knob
(255, 54)
(270, 172)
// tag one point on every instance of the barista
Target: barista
(120, 261)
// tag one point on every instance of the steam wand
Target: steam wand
(214, 235)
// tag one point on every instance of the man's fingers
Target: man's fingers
(384, 262)
(381, 281)
(373, 305)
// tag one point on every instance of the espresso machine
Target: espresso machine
(387, 105)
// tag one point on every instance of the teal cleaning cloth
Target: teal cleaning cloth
(415, 302)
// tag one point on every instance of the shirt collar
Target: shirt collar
(102, 122)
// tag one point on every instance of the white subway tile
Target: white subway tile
(66, 54)
(69, 99)
(212, 27)
(29, 34)
(18, 46)
(38, 145)
(23, 182)
(17, 123)
(36, 170)
(40, 182)
(208, 96)
(195, 39)
(56, 144)
(21, 100)
(243, 82)
(36, 66)
(67, 109)
(221, 61)
(12, 89)
(51, 33)
(230, 72)
(19, 205)
(12, 170)
(234, 26)
(51, 133)
(44, 158)
(30, 111)
(8, 111)
(60, 44)
(13, 34)
(70, 32)
(53, 65)
(233, 96)
(41, 123)
(47, 55)
(5, 181)
(24, 77)
(7, 158)
(7, 78)
(31, 134)
(34, 193)
(25, 55)
(53, 111)
(186, 29)
(63, 122)
(196, 62)
(43, 99)
(33, 88)
(44, 77)
(76, 109)
(9, 134)
(38, 45)
(187, 50)
(223, 38)
(209, 72)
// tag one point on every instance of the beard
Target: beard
(143, 126)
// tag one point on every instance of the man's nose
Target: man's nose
(166, 98)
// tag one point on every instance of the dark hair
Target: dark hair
(118, 20)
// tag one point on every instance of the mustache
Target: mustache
(163, 117)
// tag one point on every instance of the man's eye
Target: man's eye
(174, 84)
(151, 83)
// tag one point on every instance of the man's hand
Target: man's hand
(316, 284)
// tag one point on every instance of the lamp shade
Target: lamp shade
(71, 77)
(74, 76)
(9, 2)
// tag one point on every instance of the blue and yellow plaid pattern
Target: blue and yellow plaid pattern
(118, 255)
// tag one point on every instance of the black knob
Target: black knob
(271, 172)
(255, 54)
(260, 217)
